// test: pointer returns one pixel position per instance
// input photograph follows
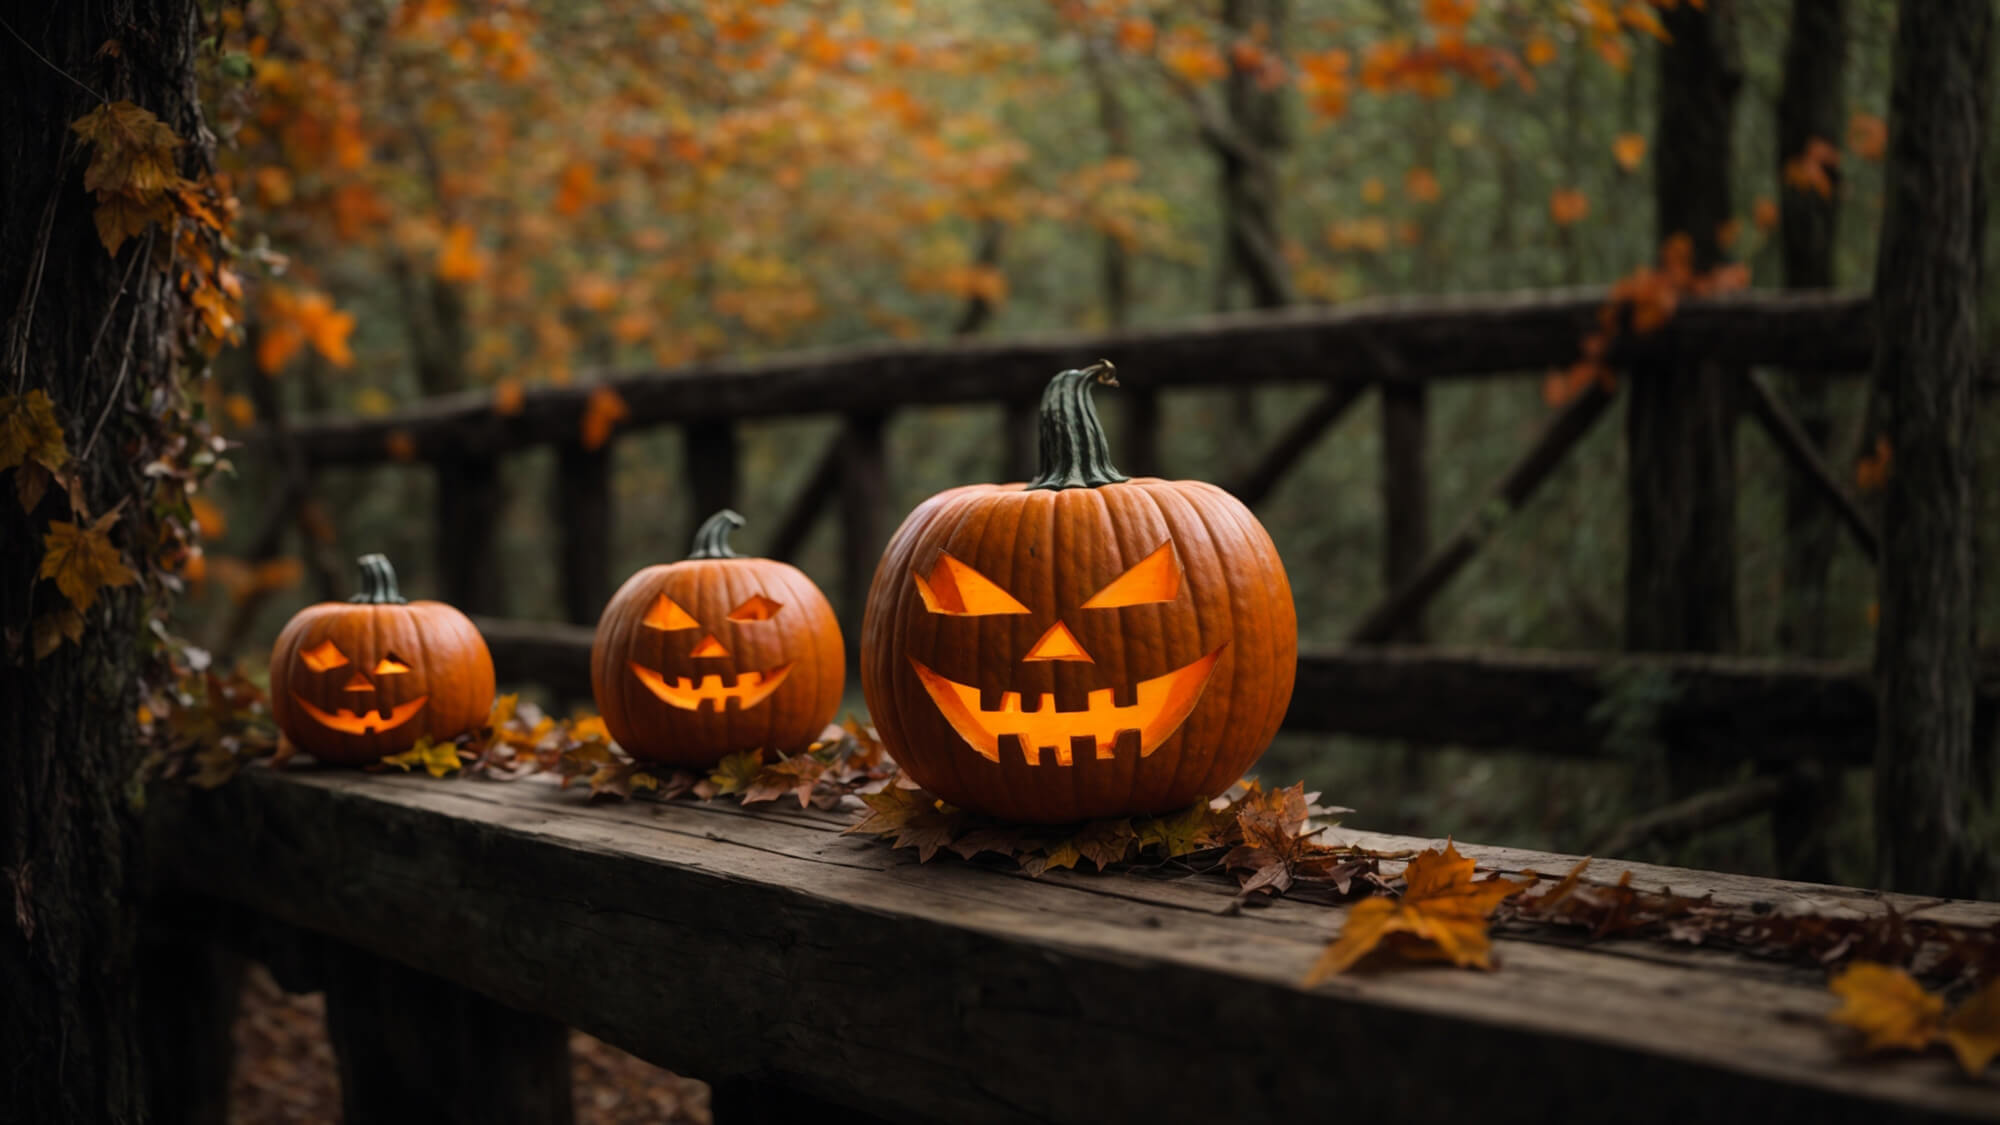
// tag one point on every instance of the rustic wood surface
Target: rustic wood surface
(1365, 341)
(1577, 703)
(735, 945)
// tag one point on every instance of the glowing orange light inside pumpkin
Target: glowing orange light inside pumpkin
(958, 590)
(758, 608)
(1163, 704)
(389, 666)
(323, 657)
(709, 646)
(1058, 644)
(666, 615)
(1155, 578)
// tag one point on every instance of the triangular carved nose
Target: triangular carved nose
(359, 682)
(1058, 644)
(709, 646)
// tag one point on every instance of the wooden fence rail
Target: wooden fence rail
(764, 952)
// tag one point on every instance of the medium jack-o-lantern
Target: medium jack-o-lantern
(1084, 645)
(354, 681)
(716, 654)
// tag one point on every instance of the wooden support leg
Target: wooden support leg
(864, 488)
(187, 1005)
(413, 1047)
(711, 458)
(580, 508)
(1406, 506)
(807, 505)
(468, 510)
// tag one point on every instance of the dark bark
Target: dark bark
(68, 746)
(1927, 281)
(1249, 170)
(1680, 424)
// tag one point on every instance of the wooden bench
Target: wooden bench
(792, 966)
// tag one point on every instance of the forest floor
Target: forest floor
(285, 1070)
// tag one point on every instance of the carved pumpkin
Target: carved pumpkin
(354, 681)
(716, 654)
(1084, 645)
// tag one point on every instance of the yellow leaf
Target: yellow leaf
(122, 216)
(82, 560)
(735, 773)
(132, 150)
(1441, 916)
(1887, 1006)
(1974, 1029)
(29, 431)
(437, 758)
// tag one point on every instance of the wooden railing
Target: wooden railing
(1347, 351)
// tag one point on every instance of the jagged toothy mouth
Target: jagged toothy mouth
(748, 689)
(1160, 706)
(364, 722)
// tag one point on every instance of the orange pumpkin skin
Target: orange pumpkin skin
(695, 682)
(1212, 594)
(353, 682)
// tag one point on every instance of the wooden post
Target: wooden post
(468, 513)
(709, 449)
(188, 992)
(1406, 533)
(808, 504)
(413, 1047)
(864, 487)
(1927, 289)
(1680, 423)
(1141, 455)
(580, 507)
(1262, 476)
(1019, 440)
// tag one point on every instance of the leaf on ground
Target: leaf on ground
(1063, 855)
(1008, 840)
(1441, 916)
(437, 758)
(913, 817)
(619, 779)
(82, 561)
(733, 774)
(1105, 842)
(1183, 833)
(795, 776)
(1887, 1006)
(1973, 1031)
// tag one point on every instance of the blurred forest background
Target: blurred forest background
(447, 196)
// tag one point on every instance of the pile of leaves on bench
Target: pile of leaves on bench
(1269, 840)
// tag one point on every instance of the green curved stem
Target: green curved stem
(1074, 451)
(378, 582)
(711, 539)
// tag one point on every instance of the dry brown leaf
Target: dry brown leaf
(1441, 916)
(1973, 1031)
(81, 560)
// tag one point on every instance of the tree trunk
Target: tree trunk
(1927, 289)
(1680, 569)
(1809, 107)
(1252, 249)
(68, 746)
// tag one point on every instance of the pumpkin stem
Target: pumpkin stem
(711, 539)
(378, 582)
(1074, 452)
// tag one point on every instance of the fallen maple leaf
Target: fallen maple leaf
(913, 817)
(1182, 833)
(1440, 916)
(82, 561)
(437, 758)
(1973, 1031)
(29, 431)
(732, 774)
(795, 776)
(1887, 1006)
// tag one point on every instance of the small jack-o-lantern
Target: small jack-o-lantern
(716, 654)
(1084, 645)
(354, 681)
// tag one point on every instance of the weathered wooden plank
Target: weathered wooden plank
(1365, 341)
(1802, 451)
(735, 944)
(1573, 703)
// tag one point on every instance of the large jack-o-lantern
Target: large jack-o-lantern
(354, 681)
(1084, 645)
(716, 654)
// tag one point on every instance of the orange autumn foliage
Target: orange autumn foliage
(1441, 916)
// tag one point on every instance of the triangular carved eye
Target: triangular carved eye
(666, 615)
(958, 590)
(323, 657)
(1155, 578)
(758, 608)
(389, 666)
